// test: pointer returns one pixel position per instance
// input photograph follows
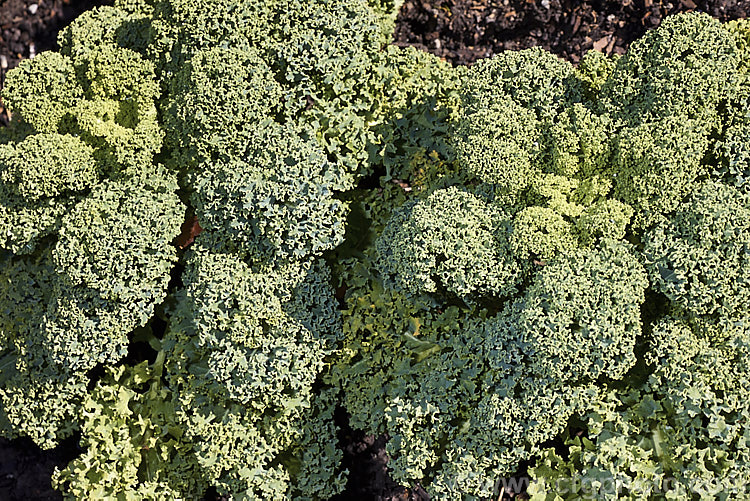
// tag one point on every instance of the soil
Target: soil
(367, 461)
(26, 470)
(460, 31)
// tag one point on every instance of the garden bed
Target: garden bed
(459, 31)
(463, 31)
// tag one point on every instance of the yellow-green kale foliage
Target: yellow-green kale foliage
(311, 65)
(500, 143)
(488, 307)
(243, 352)
(47, 165)
(41, 178)
(581, 315)
(273, 203)
(43, 90)
(509, 104)
(537, 80)
(72, 304)
(466, 353)
(262, 112)
(88, 217)
(669, 93)
(417, 93)
(683, 434)
(141, 443)
(134, 446)
(657, 164)
(105, 95)
(700, 257)
(687, 67)
(677, 426)
(220, 97)
(528, 130)
(731, 150)
(515, 247)
(437, 245)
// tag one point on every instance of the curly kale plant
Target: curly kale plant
(505, 298)
(148, 108)
(88, 216)
(220, 220)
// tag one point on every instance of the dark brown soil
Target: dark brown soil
(26, 470)
(460, 31)
(30, 26)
